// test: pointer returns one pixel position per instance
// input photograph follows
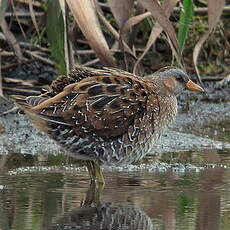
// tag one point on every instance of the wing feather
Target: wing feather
(104, 104)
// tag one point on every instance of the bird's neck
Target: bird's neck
(168, 110)
(158, 87)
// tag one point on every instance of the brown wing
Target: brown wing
(76, 75)
(79, 73)
(103, 106)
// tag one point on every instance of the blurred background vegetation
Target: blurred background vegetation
(136, 35)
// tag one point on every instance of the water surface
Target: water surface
(191, 194)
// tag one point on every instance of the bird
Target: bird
(107, 116)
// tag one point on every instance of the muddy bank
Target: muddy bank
(18, 136)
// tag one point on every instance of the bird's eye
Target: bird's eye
(181, 78)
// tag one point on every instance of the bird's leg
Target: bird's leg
(98, 173)
(95, 172)
(90, 169)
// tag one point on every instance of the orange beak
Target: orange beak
(190, 85)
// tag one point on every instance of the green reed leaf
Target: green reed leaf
(55, 33)
(185, 21)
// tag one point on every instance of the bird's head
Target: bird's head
(172, 80)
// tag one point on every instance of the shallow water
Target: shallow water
(191, 194)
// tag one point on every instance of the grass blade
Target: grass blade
(10, 38)
(33, 18)
(66, 41)
(167, 6)
(85, 16)
(114, 32)
(122, 10)
(55, 33)
(215, 9)
(159, 14)
(185, 20)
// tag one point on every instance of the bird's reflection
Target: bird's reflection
(94, 214)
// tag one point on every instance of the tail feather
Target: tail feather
(28, 102)
(21, 102)
(43, 122)
(46, 123)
